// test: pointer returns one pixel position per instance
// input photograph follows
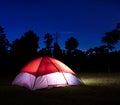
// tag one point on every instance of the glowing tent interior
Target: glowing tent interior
(45, 72)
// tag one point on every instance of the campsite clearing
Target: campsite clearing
(99, 89)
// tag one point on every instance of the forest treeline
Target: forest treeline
(14, 55)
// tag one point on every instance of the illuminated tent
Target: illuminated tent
(45, 72)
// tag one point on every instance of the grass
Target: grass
(98, 89)
(101, 79)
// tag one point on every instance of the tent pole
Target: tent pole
(59, 71)
(37, 72)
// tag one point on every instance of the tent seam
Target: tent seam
(37, 72)
(59, 71)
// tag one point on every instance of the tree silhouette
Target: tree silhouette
(25, 48)
(71, 44)
(112, 38)
(48, 39)
(4, 42)
(57, 52)
(100, 50)
(27, 45)
(4, 48)
(30, 39)
(71, 53)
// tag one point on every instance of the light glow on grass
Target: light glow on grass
(101, 80)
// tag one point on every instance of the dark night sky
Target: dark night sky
(86, 20)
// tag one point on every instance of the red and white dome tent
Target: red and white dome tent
(45, 72)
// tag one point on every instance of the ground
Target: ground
(98, 89)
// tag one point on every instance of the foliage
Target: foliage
(113, 37)
(4, 43)
(57, 52)
(15, 55)
(71, 44)
(48, 41)
(27, 44)
(24, 49)
(4, 49)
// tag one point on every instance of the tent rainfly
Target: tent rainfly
(45, 72)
